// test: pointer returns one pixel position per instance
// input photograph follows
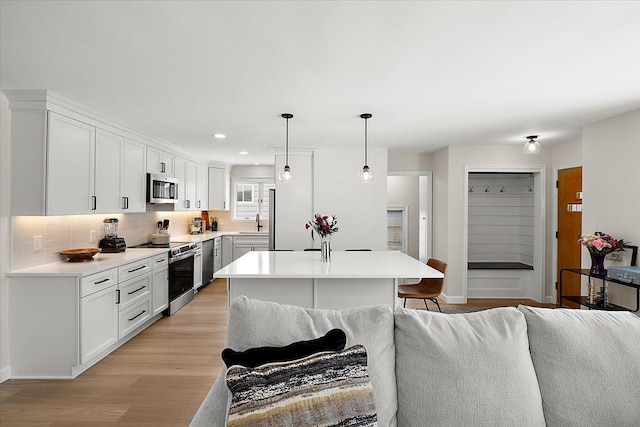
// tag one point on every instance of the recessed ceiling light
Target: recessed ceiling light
(244, 153)
(256, 163)
(219, 135)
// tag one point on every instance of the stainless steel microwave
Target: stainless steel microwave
(162, 189)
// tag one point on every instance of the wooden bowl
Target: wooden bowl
(82, 254)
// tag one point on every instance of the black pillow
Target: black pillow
(334, 340)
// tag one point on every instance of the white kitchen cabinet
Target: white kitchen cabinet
(108, 153)
(98, 313)
(98, 323)
(133, 183)
(202, 187)
(160, 294)
(69, 166)
(160, 162)
(160, 284)
(245, 244)
(217, 254)
(186, 175)
(197, 270)
(219, 189)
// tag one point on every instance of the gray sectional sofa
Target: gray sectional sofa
(500, 367)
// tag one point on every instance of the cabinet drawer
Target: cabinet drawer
(97, 282)
(251, 241)
(134, 316)
(134, 290)
(160, 261)
(134, 269)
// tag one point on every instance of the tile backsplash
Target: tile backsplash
(73, 231)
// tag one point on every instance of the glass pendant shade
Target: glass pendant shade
(366, 175)
(532, 146)
(285, 174)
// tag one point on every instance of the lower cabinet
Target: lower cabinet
(244, 244)
(62, 325)
(98, 323)
(160, 294)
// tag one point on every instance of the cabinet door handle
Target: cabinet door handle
(137, 290)
(224, 205)
(137, 269)
(101, 281)
(162, 167)
(94, 203)
(158, 261)
(117, 296)
(138, 315)
(198, 204)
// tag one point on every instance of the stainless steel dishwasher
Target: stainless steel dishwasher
(207, 261)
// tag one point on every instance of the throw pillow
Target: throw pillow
(254, 323)
(334, 340)
(588, 365)
(465, 369)
(330, 388)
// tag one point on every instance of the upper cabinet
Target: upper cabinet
(202, 187)
(133, 182)
(218, 189)
(160, 162)
(70, 168)
(187, 174)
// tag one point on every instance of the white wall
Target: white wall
(361, 208)
(5, 233)
(401, 161)
(610, 183)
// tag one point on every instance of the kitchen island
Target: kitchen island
(349, 279)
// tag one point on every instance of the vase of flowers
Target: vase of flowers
(324, 226)
(600, 244)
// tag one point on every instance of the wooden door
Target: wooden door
(569, 229)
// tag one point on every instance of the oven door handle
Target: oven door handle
(181, 257)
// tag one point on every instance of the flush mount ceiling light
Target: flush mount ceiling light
(219, 135)
(366, 174)
(531, 146)
(243, 153)
(285, 174)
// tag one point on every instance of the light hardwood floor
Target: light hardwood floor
(159, 378)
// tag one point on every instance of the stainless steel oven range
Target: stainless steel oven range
(181, 273)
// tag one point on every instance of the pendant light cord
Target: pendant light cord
(287, 144)
(365, 141)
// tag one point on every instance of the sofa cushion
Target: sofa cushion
(254, 323)
(328, 388)
(334, 340)
(588, 365)
(465, 369)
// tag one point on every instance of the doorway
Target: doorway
(569, 229)
(413, 191)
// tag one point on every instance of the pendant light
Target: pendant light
(532, 146)
(285, 174)
(366, 174)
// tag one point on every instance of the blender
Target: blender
(111, 241)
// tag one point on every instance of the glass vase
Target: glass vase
(597, 265)
(325, 248)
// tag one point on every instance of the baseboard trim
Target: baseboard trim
(550, 299)
(5, 374)
(453, 299)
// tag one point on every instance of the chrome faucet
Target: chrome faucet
(258, 221)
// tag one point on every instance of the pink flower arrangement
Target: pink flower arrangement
(324, 225)
(600, 243)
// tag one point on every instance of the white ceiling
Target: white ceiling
(432, 73)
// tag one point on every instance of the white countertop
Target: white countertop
(343, 264)
(100, 262)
